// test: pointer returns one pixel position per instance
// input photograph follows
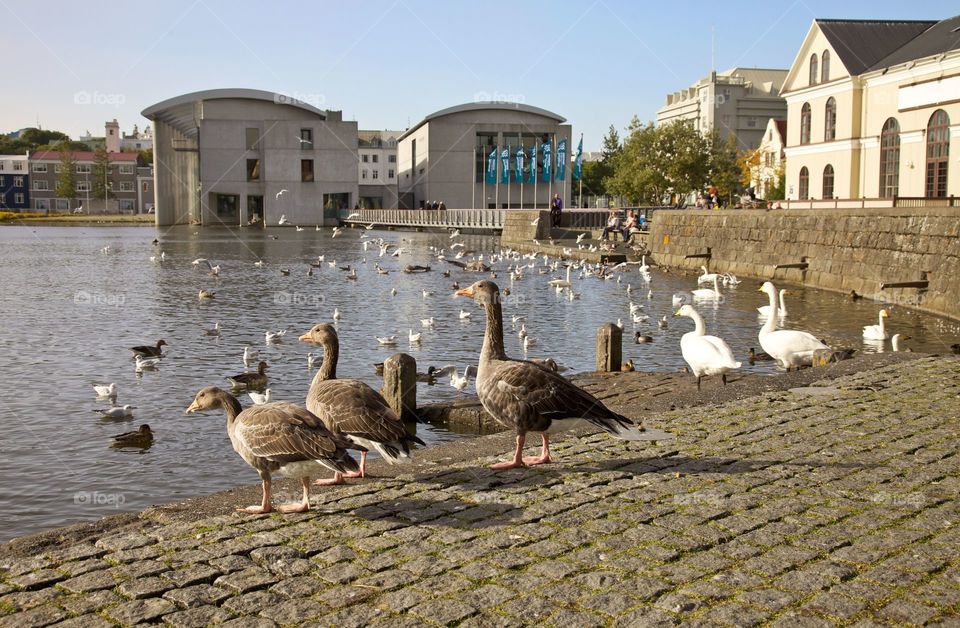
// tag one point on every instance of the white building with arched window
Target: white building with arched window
(873, 111)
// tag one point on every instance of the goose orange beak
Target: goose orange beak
(193, 407)
(464, 292)
(305, 337)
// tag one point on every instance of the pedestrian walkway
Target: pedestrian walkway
(827, 504)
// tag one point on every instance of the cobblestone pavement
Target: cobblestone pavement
(818, 506)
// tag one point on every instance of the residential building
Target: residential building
(145, 194)
(377, 169)
(770, 157)
(14, 183)
(242, 156)
(137, 140)
(874, 110)
(444, 157)
(121, 183)
(738, 101)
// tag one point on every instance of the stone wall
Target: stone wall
(846, 249)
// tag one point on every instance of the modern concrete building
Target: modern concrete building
(444, 156)
(121, 182)
(874, 110)
(770, 155)
(14, 183)
(377, 169)
(227, 156)
(738, 101)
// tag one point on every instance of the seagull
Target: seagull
(387, 340)
(662, 323)
(260, 398)
(249, 357)
(106, 390)
(275, 336)
(117, 412)
(258, 263)
(393, 292)
(414, 338)
(144, 364)
(427, 322)
(460, 382)
(336, 314)
(454, 234)
(279, 194)
(353, 215)
(312, 361)
(336, 232)
(283, 219)
(427, 293)
(536, 221)
(464, 315)
(581, 237)
(299, 228)
(213, 332)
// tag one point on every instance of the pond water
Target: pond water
(71, 308)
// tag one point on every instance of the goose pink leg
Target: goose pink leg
(303, 506)
(544, 456)
(362, 473)
(517, 461)
(336, 479)
(265, 505)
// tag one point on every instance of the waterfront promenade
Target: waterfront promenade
(820, 497)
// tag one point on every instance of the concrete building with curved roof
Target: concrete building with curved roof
(246, 156)
(444, 156)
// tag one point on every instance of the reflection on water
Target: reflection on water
(70, 311)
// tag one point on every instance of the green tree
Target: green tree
(725, 170)
(99, 172)
(776, 190)
(145, 157)
(67, 179)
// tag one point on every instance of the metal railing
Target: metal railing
(926, 201)
(489, 219)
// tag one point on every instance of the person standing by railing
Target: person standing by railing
(556, 208)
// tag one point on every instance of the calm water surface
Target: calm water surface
(70, 311)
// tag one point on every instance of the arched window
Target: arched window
(825, 66)
(830, 120)
(890, 158)
(804, 184)
(828, 181)
(813, 68)
(805, 123)
(938, 153)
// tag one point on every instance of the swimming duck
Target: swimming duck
(251, 381)
(142, 437)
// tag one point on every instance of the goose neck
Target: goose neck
(231, 406)
(493, 338)
(331, 353)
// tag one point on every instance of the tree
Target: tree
(67, 179)
(145, 157)
(725, 171)
(776, 189)
(99, 172)
(750, 162)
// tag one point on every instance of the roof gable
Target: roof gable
(943, 36)
(859, 44)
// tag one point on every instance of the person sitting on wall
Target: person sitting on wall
(630, 226)
(436, 205)
(613, 224)
(443, 206)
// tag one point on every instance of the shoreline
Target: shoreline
(137, 220)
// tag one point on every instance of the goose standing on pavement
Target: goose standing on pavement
(528, 398)
(706, 355)
(350, 408)
(789, 347)
(278, 437)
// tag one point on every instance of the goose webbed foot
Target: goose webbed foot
(265, 505)
(304, 505)
(362, 473)
(336, 479)
(518, 461)
(544, 456)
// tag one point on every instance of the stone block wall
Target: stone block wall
(846, 249)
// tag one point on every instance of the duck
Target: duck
(640, 338)
(526, 397)
(758, 356)
(251, 381)
(764, 310)
(117, 412)
(106, 391)
(879, 331)
(854, 296)
(706, 355)
(278, 437)
(895, 341)
(430, 376)
(662, 323)
(351, 408)
(627, 367)
(261, 398)
(147, 351)
(141, 437)
(789, 347)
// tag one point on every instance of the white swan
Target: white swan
(644, 267)
(895, 340)
(562, 283)
(707, 277)
(765, 310)
(876, 332)
(789, 347)
(706, 355)
(707, 293)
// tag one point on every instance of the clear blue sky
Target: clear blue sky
(387, 63)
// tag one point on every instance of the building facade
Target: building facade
(14, 183)
(377, 169)
(739, 101)
(244, 156)
(874, 110)
(770, 158)
(444, 157)
(145, 201)
(121, 183)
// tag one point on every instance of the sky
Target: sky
(389, 63)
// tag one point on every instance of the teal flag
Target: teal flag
(562, 160)
(505, 165)
(578, 161)
(518, 164)
(492, 167)
(533, 164)
(546, 171)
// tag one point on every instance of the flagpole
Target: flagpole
(484, 191)
(553, 152)
(508, 177)
(473, 190)
(536, 179)
(521, 151)
(496, 190)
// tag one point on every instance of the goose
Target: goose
(251, 381)
(147, 351)
(707, 277)
(387, 341)
(414, 338)
(895, 341)
(706, 355)
(249, 356)
(764, 310)
(640, 339)
(460, 381)
(204, 295)
(527, 397)
(105, 391)
(144, 364)
(117, 412)
(350, 408)
(427, 322)
(562, 283)
(707, 293)
(278, 437)
(877, 332)
(142, 438)
(260, 398)
(274, 336)
(790, 348)
(213, 332)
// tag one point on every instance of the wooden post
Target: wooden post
(400, 385)
(609, 350)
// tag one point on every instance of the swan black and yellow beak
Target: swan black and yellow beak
(464, 292)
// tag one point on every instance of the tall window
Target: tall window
(253, 170)
(306, 139)
(804, 184)
(805, 123)
(813, 68)
(828, 181)
(825, 66)
(890, 158)
(252, 138)
(830, 120)
(938, 153)
(306, 170)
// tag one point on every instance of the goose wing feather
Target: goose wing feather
(350, 406)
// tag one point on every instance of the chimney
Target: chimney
(112, 135)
